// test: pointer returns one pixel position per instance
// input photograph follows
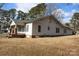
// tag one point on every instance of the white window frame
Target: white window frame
(27, 28)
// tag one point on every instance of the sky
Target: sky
(19, 6)
(68, 9)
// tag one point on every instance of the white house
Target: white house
(44, 26)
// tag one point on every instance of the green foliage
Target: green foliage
(7, 14)
(22, 15)
(67, 24)
(37, 10)
(75, 21)
(12, 13)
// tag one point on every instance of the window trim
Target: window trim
(27, 28)
(57, 30)
(48, 28)
(39, 28)
(20, 29)
(65, 30)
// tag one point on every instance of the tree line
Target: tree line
(13, 14)
(74, 22)
(36, 12)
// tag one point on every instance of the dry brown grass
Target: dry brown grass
(47, 46)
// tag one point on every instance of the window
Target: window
(48, 28)
(27, 28)
(21, 29)
(65, 30)
(57, 30)
(39, 28)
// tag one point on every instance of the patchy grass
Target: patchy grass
(47, 46)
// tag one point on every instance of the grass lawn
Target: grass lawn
(47, 46)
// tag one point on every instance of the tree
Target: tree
(67, 24)
(21, 15)
(6, 17)
(6, 13)
(37, 11)
(50, 7)
(59, 14)
(75, 21)
(12, 13)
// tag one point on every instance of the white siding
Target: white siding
(33, 28)
(44, 28)
(69, 31)
(29, 32)
(21, 32)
